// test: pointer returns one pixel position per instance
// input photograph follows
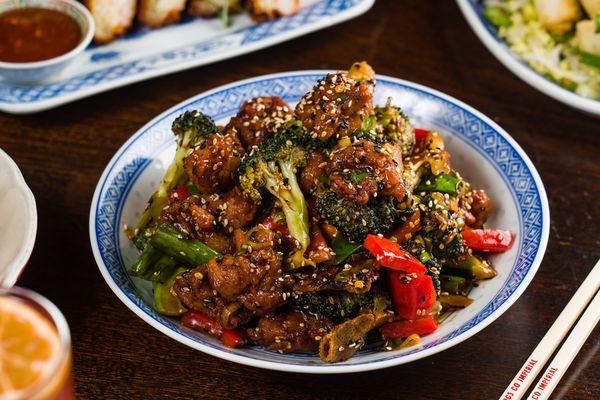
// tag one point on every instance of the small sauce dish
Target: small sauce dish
(39, 38)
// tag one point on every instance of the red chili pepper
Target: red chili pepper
(412, 296)
(403, 329)
(420, 135)
(490, 240)
(392, 256)
(181, 192)
(229, 337)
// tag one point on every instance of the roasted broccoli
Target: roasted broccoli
(337, 306)
(191, 129)
(356, 221)
(396, 127)
(272, 166)
(388, 125)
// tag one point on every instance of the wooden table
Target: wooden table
(117, 356)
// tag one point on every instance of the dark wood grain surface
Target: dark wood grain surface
(62, 153)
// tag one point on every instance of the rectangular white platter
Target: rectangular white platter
(145, 53)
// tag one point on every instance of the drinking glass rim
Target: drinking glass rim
(62, 328)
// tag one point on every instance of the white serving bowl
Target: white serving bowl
(473, 12)
(482, 151)
(18, 221)
(41, 71)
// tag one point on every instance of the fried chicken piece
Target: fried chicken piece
(259, 119)
(264, 10)
(112, 17)
(191, 216)
(194, 291)
(294, 331)
(363, 170)
(233, 209)
(156, 13)
(211, 8)
(213, 167)
(338, 104)
(252, 277)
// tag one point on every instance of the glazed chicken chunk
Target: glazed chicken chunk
(213, 167)
(259, 119)
(364, 170)
(112, 17)
(338, 104)
(294, 331)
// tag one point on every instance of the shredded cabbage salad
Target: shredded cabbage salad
(555, 57)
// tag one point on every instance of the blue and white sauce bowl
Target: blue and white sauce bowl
(43, 71)
(482, 151)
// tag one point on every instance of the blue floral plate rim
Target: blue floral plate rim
(527, 191)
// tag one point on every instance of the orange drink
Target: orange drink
(35, 348)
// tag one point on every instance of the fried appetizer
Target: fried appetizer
(264, 10)
(112, 17)
(156, 13)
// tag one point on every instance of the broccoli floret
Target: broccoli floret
(337, 306)
(356, 221)
(191, 129)
(272, 166)
(396, 127)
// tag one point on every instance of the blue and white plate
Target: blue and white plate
(484, 153)
(148, 53)
(473, 12)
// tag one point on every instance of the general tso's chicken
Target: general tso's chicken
(156, 13)
(232, 288)
(194, 291)
(558, 16)
(112, 17)
(252, 277)
(364, 170)
(294, 331)
(233, 209)
(211, 8)
(192, 216)
(261, 10)
(338, 104)
(213, 167)
(259, 119)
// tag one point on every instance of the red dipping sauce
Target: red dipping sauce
(36, 34)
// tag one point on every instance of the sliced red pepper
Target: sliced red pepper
(403, 329)
(490, 240)
(412, 296)
(420, 135)
(405, 231)
(229, 337)
(392, 256)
